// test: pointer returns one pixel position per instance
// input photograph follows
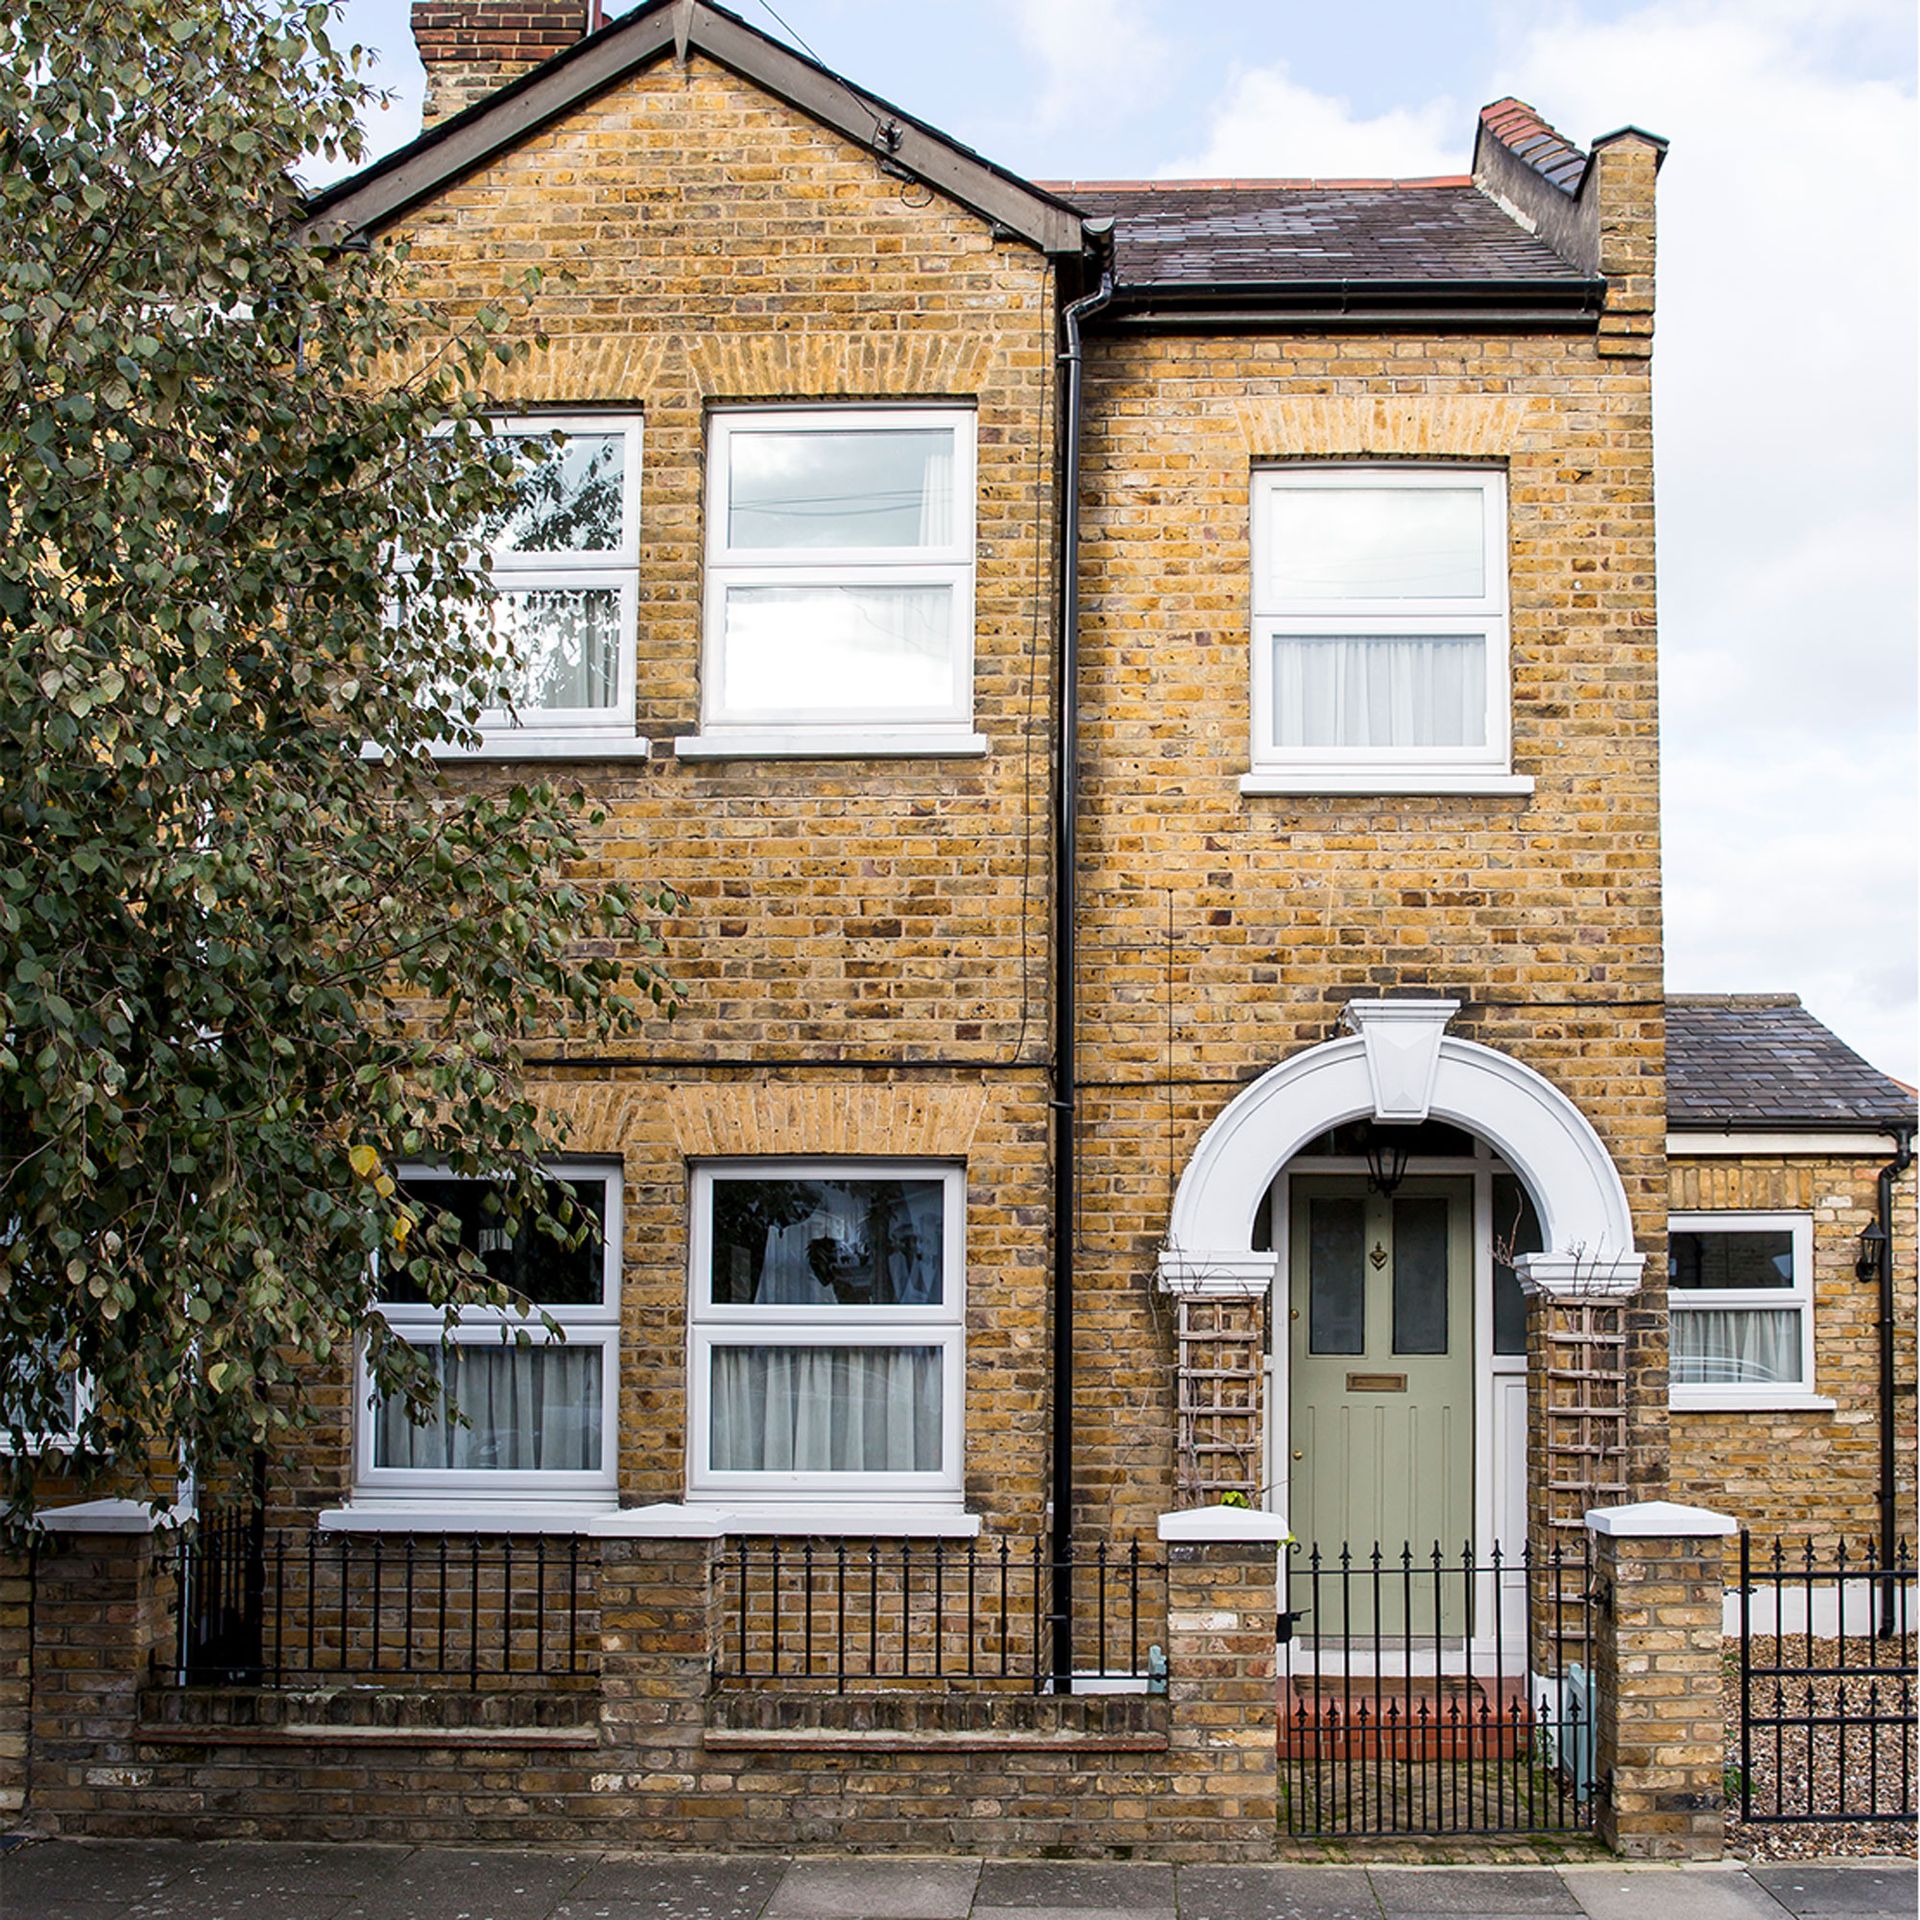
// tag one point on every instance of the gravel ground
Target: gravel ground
(1802, 1767)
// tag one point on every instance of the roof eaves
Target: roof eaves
(443, 153)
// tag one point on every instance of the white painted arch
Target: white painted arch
(1535, 1128)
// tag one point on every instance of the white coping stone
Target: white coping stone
(1224, 1524)
(110, 1516)
(1660, 1519)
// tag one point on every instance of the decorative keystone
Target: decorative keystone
(1402, 1039)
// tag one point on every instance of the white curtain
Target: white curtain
(1379, 690)
(528, 1409)
(567, 643)
(936, 501)
(844, 1216)
(1735, 1347)
(826, 1409)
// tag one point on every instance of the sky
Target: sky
(1785, 367)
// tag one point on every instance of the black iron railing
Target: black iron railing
(1827, 1675)
(260, 1609)
(852, 1615)
(1426, 1692)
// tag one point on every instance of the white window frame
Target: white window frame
(55, 1439)
(583, 732)
(1756, 1394)
(424, 1325)
(748, 729)
(852, 1499)
(1471, 769)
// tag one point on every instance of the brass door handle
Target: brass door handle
(1298, 1455)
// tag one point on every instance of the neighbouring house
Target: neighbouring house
(1149, 692)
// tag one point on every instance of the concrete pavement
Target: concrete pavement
(174, 1880)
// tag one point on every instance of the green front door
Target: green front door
(1380, 1367)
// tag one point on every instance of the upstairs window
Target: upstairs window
(1740, 1297)
(839, 589)
(536, 1414)
(565, 564)
(1380, 626)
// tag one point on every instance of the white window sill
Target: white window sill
(866, 743)
(850, 1521)
(1303, 781)
(453, 1516)
(514, 743)
(1750, 1400)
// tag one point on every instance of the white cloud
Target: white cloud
(1093, 55)
(1269, 125)
(1784, 434)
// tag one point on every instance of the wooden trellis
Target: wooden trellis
(1222, 1364)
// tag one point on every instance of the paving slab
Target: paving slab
(1471, 1890)
(471, 1884)
(679, 1887)
(1818, 1890)
(99, 1870)
(1276, 1893)
(1075, 1887)
(1073, 1913)
(875, 1890)
(1669, 1893)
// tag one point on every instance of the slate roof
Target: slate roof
(1211, 233)
(1762, 1061)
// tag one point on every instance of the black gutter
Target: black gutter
(1066, 900)
(1889, 1506)
(1440, 304)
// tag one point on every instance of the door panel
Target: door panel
(1380, 1329)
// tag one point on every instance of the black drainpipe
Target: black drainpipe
(1066, 1065)
(1889, 1506)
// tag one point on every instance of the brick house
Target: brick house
(1149, 692)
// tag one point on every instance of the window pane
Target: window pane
(565, 643)
(1736, 1347)
(1721, 1260)
(1336, 1276)
(1380, 690)
(838, 649)
(1419, 1276)
(1375, 543)
(528, 1409)
(569, 502)
(887, 488)
(1516, 1230)
(826, 1410)
(849, 1243)
(535, 1264)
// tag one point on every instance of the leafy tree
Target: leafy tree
(248, 962)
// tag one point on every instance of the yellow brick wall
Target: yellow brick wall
(703, 244)
(1810, 1474)
(1256, 918)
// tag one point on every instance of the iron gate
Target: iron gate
(1826, 1696)
(1435, 1693)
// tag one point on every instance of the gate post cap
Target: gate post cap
(1660, 1519)
(110, 1516)
(1223, 1523)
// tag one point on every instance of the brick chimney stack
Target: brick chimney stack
(469, 47)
